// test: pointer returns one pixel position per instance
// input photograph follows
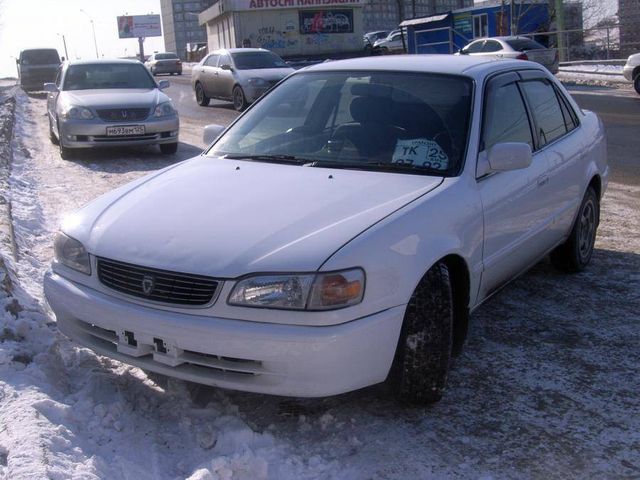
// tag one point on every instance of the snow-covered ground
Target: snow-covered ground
(547, 386)
(594, 74)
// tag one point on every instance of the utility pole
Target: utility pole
(560, 29)
(93, 27)
(64, 42)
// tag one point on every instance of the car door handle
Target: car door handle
(542, 181)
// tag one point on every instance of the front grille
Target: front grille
(123, 114)
(157, 285)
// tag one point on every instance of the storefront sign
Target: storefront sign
(276, 4)
(326, 21)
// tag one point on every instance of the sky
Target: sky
(41, 23)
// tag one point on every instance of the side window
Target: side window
(546, 111)
(212, 60)
(224, 60)
(505, 117)
(491, 46)
(474, 47)
(570, 120)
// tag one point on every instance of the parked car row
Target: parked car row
(338, 234)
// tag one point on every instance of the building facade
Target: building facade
(181, 30)
(629, 15)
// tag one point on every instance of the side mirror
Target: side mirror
(503, 157)
(17, 61)
(162, 84)
(227, 67)
(51, 87)
(211, 133)
(62, 59)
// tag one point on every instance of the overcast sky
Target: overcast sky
(37, 23)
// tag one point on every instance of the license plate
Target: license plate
(124, 131)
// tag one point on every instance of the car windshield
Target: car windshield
(386, 121)
(256, 60)
(107, 75)
(522, 44)
(39, 57)
(166, 56)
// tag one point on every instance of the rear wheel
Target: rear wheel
(239, 100)
(421, 365)
(169, 148)
(575, 254)
(636, 84)
(201, 98)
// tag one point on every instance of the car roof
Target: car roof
(103, 61)
(236, 50)
(472, 66)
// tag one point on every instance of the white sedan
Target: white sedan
(339, 233)
(631, 70)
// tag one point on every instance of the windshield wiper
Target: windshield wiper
(379, 167)
(285, 159)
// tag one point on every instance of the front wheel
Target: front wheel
(239, 100)
(575, 254)
(201, 97)
(169, 148)
(636, 84)
(421, 365)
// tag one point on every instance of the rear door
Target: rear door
(515, 213)
(559, 138)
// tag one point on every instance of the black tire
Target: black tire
(239, 100)
(201, 97)
(575, 254)
(65, 153)
(421, 365)
(636, 84)
(169, 148)
(52, 135)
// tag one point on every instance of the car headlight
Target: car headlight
(322, 291)
(258, 82)
(71, 253)
(77, 113)
(165, 109)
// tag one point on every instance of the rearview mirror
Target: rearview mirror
(162, 84)
(211, 133)
(503, 157)
(50, 87)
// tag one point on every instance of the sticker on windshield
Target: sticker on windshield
(421, 153)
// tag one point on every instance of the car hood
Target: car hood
(227, 218)
(269, 74)
(116, 98)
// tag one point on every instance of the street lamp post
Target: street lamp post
(93, 27)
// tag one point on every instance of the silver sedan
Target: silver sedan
(109, 103)
(241, 75)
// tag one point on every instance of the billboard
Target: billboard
(135, 26)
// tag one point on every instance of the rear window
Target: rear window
(165, 56)
(522, 44)
(107, 75)
(39, 57)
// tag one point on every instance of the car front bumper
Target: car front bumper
(627, 72)
(300, 361)
(93, 133)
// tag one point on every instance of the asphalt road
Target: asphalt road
(619, 109)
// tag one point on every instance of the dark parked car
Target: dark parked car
(37, 66)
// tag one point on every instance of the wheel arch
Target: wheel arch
(460, 290)
(596, 184)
